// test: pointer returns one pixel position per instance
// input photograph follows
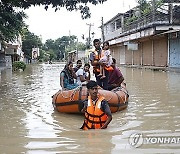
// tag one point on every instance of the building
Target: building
(10, 52)
(151, 39)
(75, 55)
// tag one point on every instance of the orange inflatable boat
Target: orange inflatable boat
(71, 101)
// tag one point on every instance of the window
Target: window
(113, 27)
(118, 23)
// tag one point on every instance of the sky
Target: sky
(52, 25)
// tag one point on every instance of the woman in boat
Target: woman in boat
(67, 77)
(97, 112)
(115, 76)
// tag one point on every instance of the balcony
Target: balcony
(147, 21)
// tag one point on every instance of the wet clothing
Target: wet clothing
(68, 80)
(103, 82)
(96, 114)
(114, 77)
(104, 106)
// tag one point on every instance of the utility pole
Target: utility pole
(153, 9)
(89, 39)
(170, 5)
(102, 30)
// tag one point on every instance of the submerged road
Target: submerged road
(30, 125)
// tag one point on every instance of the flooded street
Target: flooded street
(30, 125)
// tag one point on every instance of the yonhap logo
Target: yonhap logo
(136, 140)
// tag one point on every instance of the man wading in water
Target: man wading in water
(97, 112)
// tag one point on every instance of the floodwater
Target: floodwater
(29, 124)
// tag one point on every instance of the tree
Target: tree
(81, 46)
(62, 46)
(30, 40)
(70, 5)
(11, 22)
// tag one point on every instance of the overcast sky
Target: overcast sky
(52, 25)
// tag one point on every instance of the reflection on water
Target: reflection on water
(29, 123)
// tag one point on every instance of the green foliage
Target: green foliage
(30, 40)
(70, 5)
(17, 65)
(56, 49)
(81, 46)
(130, 20)
(11, 22)
(145, 7)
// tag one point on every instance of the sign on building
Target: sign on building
(131, 46)
(35, 53)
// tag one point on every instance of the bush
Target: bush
(17, 65)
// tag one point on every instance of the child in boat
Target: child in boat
(106, 59)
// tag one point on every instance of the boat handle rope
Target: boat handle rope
(108, 99)
(126, 93)
(72, 95)
(118, 101)
(80, 101)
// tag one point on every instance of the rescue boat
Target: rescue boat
(71, 101)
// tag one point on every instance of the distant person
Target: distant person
(94, 58)
(106, 58)
(78, 65)
(97, 112)
(115, 76)
(67, 77)
(83, 75)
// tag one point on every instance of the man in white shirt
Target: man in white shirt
(83, 75)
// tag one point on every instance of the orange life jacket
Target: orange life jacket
(94, 116)
(96, 58)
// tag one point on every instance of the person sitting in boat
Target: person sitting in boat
(83, 75)
(96, 108)
(78, 65)
(67, 77)
(115, 76)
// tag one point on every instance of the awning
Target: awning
(169, 31)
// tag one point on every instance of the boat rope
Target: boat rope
(80, 105)
(72, 94)
(55, 101)
(118, 101)
(109, 98)
(122, 89)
